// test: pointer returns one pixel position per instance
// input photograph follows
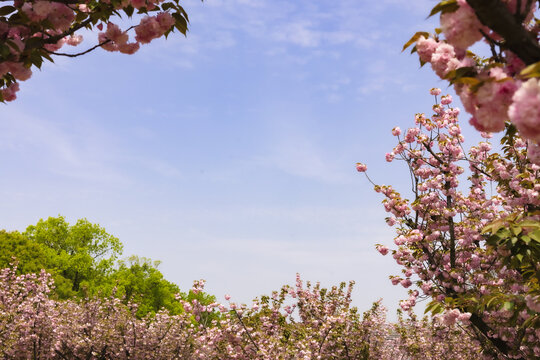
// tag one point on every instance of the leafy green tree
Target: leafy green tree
(138, 280)
(84, 253)
(83, 261)
(29, 256)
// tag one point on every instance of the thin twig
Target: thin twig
(247, 331)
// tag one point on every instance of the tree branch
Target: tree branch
(496, 15)
(499, 344)
(78, 54)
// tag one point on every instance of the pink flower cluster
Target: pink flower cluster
(462, 28)
(150, 28)
(115, 39)
(60, 15)
(492, 90)
(153, 27)
(525, 110)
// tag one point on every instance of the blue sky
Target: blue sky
(230, 155)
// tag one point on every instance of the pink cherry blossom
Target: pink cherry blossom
(461, 28)
(361, 167)
(525, 109)
(426, 48)
(382, 249)
(435, 91)
(148, 30)
(444, 60)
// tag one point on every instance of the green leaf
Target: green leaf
(6, 10)
(183, 12)
(532, 70)
(444, 7)
(493, 227)
(80, 17)
(47, 56)
(415, 38)
(535, 235)
(166, 6)
(530, 223)
(472, 81)
(466, 71)
(434, 307)
(516, 230)
(4, 51)
(508, 305)
(129, 10)
(33, 43)
(180, 23)
(13, 45)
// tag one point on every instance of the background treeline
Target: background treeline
(85, 262)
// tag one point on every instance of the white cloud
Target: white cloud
(299, 33)
(296, 154)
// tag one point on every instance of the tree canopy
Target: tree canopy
(83, 260)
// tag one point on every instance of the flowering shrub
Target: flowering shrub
(33, 326)
(474, 253)
(31, 31)
(428, 339)
(300, 322)
(503, 87)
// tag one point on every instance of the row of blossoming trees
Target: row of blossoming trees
(300, 322)
(472, 250)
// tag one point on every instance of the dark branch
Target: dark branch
(499, 344)
(78, 54)
(496, 15)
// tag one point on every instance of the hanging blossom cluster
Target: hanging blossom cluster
(440, 240)
(300, 322)
(492, 90)
(31, 31)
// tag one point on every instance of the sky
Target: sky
(229, 155)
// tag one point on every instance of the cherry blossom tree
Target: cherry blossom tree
(474, 252)
(34, 31)
(502, 86)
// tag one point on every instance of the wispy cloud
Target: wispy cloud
(74, 152)
(303, 24)
(296, 153)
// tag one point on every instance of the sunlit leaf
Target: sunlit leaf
(415, 38)
(444, 7)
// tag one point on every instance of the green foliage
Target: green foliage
(85, 252)
(83, 260)
(138, 280)
(29, 256)
(520, 237)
